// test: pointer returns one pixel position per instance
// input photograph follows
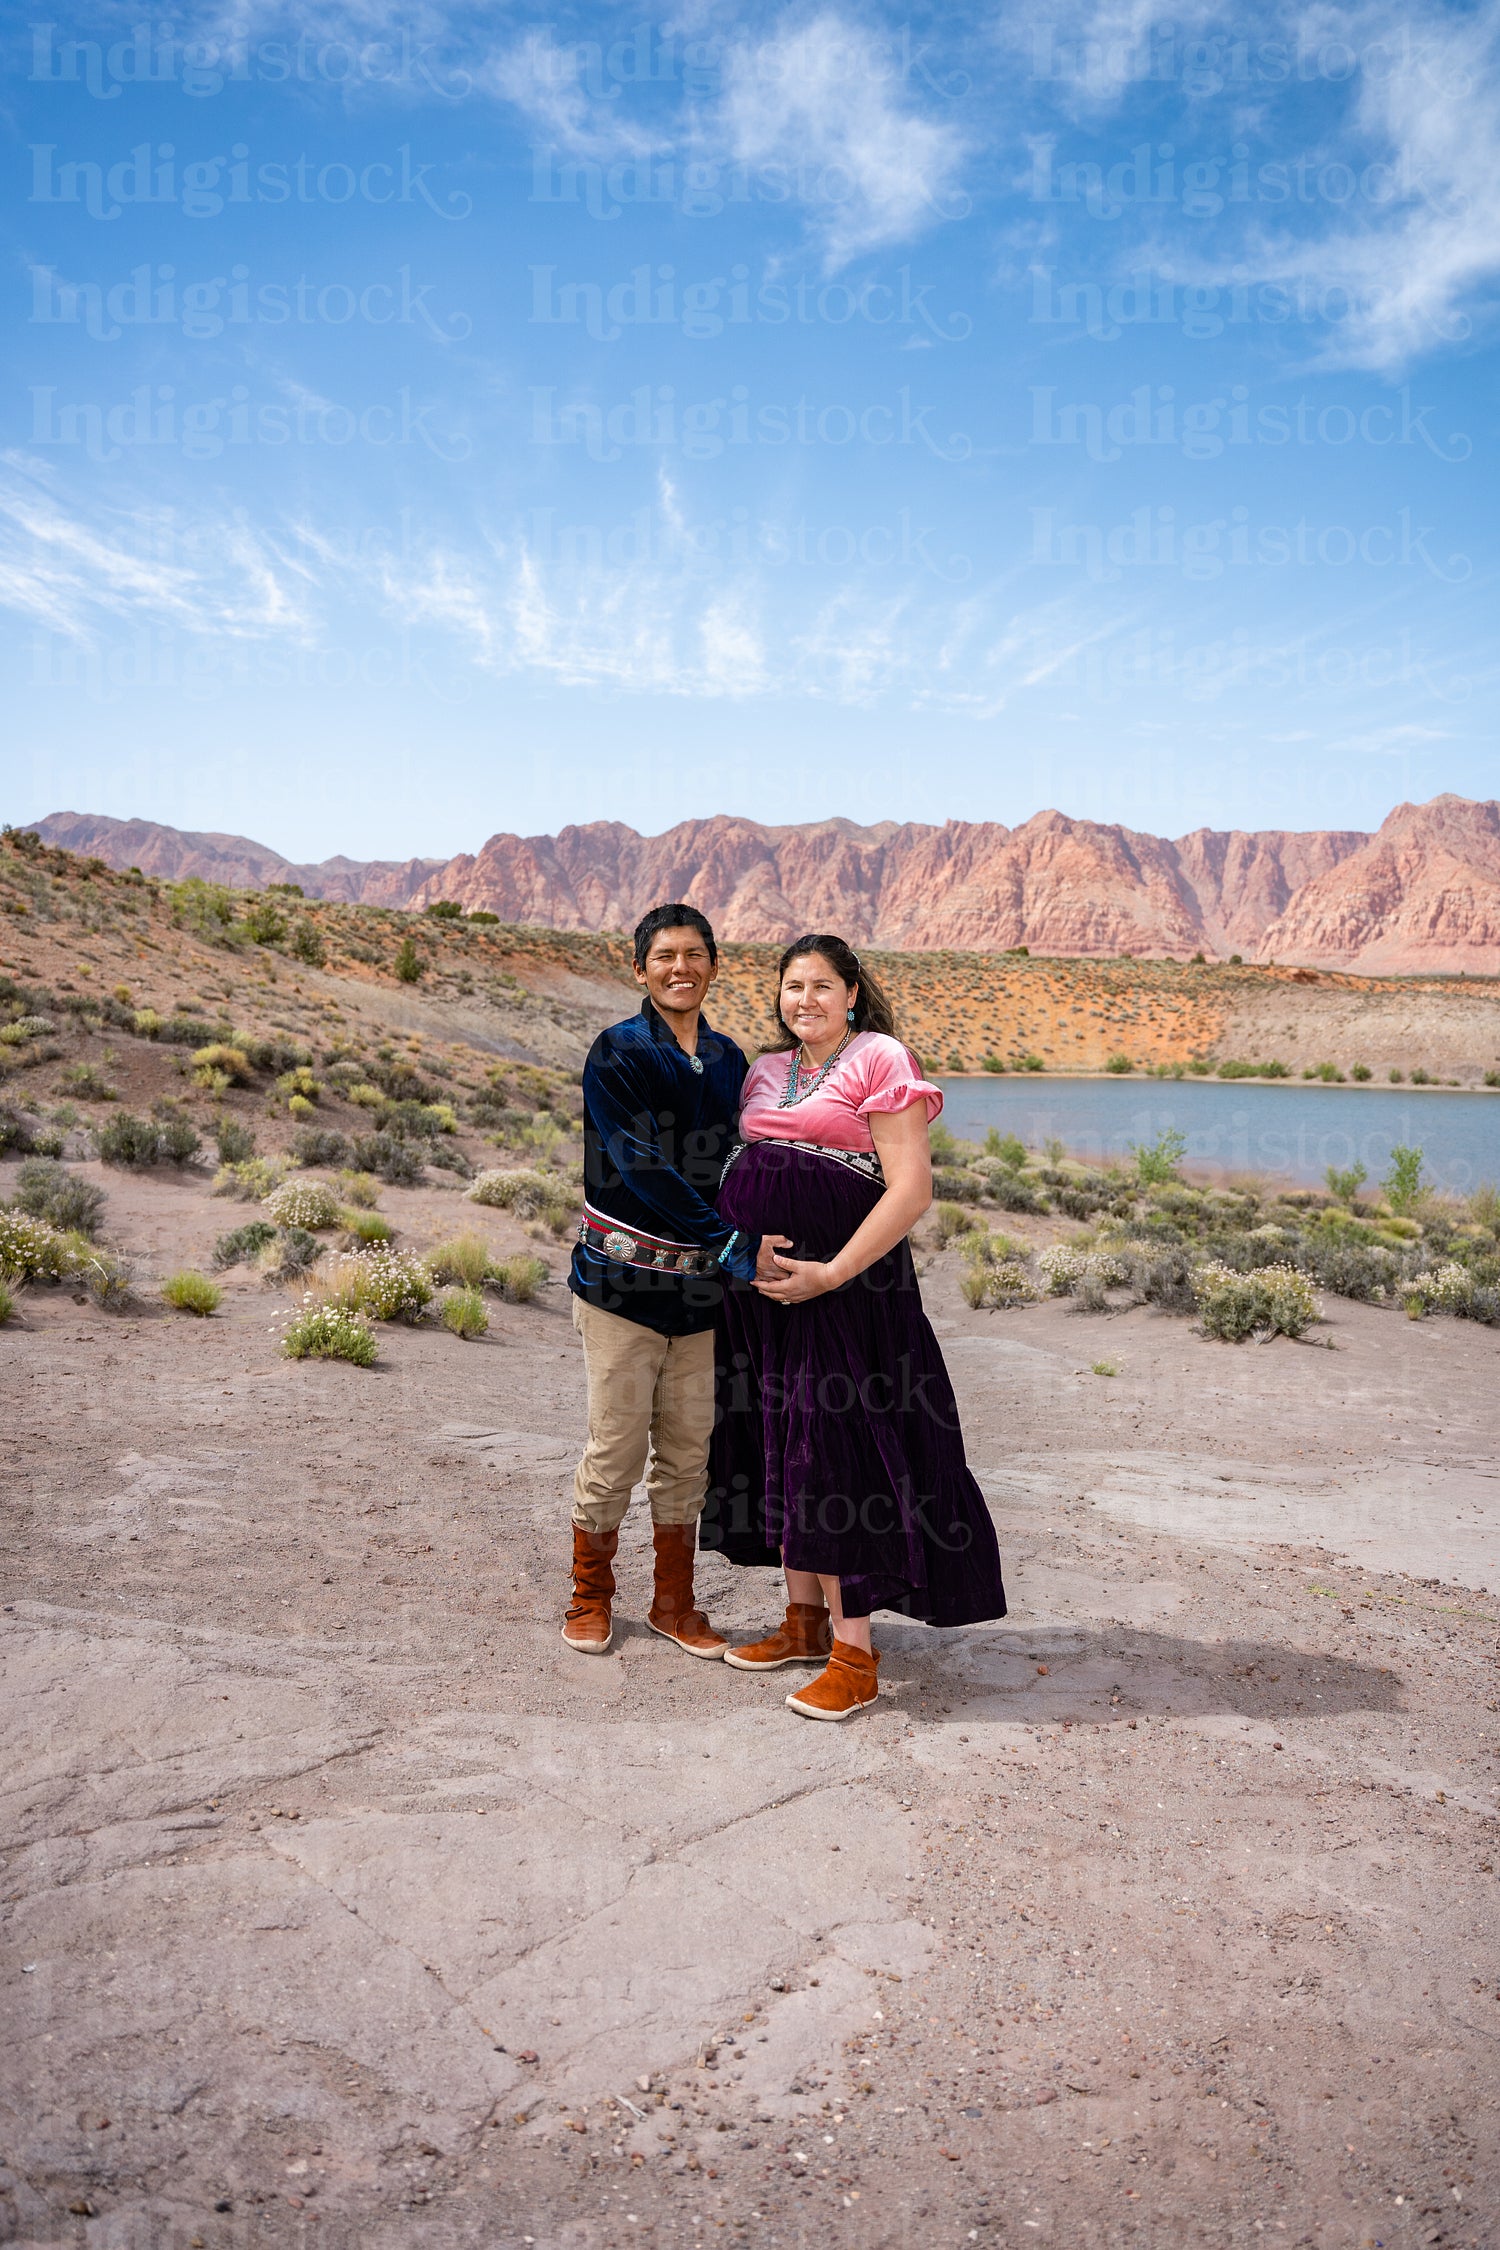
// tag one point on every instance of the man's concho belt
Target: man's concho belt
(627, 1246)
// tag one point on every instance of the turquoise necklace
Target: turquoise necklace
(795, 1091)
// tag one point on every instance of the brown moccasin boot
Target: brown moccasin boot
(847, 1685)
(588, 1626)
(672, 1613)
(806, 1637)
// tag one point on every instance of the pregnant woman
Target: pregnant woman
(837, 1450)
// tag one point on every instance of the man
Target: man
(661, 1096)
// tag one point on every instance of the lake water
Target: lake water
(1293, 1132)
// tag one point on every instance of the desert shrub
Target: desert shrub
(387, 1284)
(360, 1189)
(303, 1203)
(1268, 1301)
(1421, 1078)
(298, 1085)
(1119, 1064)
(1081, 1199)
(319, 1144)
(1073, 1270)
(409, 964)
(1005, 1148)
(1446, 1288)
(1346, 1184)
(235, 1142)
(88, 1083)
(463, 1314)
(519, 1278)
(413, 1120)
(275, 1055)
(177, 1139)
(365, 1096)
(447, 1158)
(107, 1278)
(1164, 1278)
(1235, 1069)
(219, 1065)
(464, 1259)
(243, 1243)
(1361, 1074)
(365, 1227)
(952, 1220)
(192, 1293)
(7, 1305)
(949, 1185)
(1364, 1271)
(48, 1190)
(392, 1160)
(292, 1253)
(1010, 1191)
(306, 943)
(250, 1179)
(1006, 1282)
(133, 1143)
(529, 1195)
(17, 1135)
(32, 1249)
(188, 1031)
(145, 1023)
(329, 1332)
(20, 1029)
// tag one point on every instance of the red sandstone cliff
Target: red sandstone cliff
(1423, 893)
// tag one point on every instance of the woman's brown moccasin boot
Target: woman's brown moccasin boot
(806, 1637)
(846, 1685)
(588, 1626)
(672, 1612)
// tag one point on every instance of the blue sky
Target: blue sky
(427, 424)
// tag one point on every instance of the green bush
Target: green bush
(951, 1186)
(952, 1219)
(192, 1293)
(1346, 1185)
(48, 1190)
(293, 1253)
(7, 1305)
(106, 1277)
(1010, 1191)
(387, 1284)
(133, 1143)
(1005, 1148)
(1360, 1073)
(409, 963)
(1404, 1186)
(307, 943)
(177, 1139)
(16, 1133)
(1119, 1064)
(365, 1227)
(1421, 1078)
(1268, 1301)
(235, 1142)
(995, 1286)
(1029, 1062)
(463, 1314)
(251, 1179)
(318, 1144)
(393, 1160)
(1159, 1161)
(220, 1064)
(993, 1064)
(1395, 1077)
(328, 1332)
(243, 1243)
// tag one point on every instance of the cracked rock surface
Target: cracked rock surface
(342, 1904)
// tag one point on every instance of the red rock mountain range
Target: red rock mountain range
(1421, 894)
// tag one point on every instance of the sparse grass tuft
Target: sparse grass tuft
(519, 1278)
(192, 1293)
(1104, 1367)
(951, 1220)
(463, 1314)
(365, 1227)
(360, 1189)
(465, 1260)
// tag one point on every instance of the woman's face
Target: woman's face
(815, 1001)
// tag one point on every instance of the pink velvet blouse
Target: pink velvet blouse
(873, 1073)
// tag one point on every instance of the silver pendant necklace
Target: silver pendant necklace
(795, 1091)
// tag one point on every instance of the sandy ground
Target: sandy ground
(343, 1906)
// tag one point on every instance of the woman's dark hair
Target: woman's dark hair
(679, 917)
(872, 1010)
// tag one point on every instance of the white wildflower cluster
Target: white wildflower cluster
(1274, 1300)
(329, 1332)
(303, 1203)
(32, 1249)
(388, 1284)
(1445, 1289)
(1064, 1266)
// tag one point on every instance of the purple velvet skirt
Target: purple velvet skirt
(836, 1443)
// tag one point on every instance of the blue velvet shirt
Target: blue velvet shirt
(656, 1132)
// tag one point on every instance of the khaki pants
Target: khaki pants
(644, 1390)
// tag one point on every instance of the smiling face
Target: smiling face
(815, 1003)
(678, 972)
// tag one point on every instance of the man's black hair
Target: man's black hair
(672, 918)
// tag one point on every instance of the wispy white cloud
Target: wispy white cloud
(822, 99)
(550, 86)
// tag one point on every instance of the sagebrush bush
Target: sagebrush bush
(192, 1293)
(293, 1253)
(319, 1144)
(360, 1190)
(298, 1084)
(390, 1158)
(303, 1203)
(88, 1083)
(220, 1065)
(22, 1028)
(48, 1190)
(7, 1305)
(1268, 1301)
(463, 1314)
(132, 1143)
(949, 1185)
(243, 1243)
(519, 1278)
(330, 1332)
(16, 1132)
(235, 1142)
(107, 1278)
(1007, 1187)
(177, 1139)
